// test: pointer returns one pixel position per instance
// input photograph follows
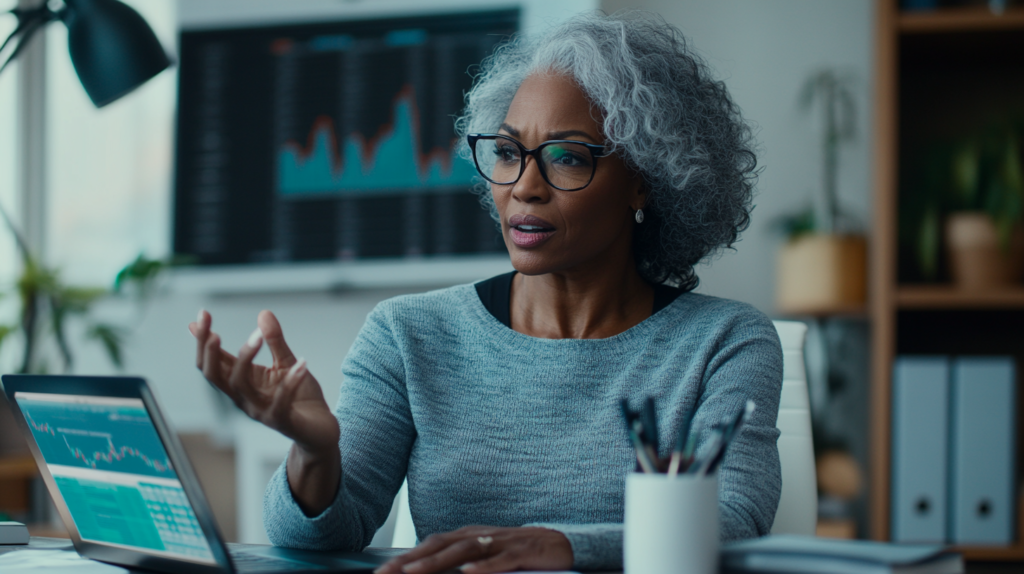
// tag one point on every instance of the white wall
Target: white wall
(764, 50)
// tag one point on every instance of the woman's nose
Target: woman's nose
(531, 187)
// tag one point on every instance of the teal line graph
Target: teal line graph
(390, 162)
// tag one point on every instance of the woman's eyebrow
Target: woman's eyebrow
(511, 130)
(559, 135)
(566, 134)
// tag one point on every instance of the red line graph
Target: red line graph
(369, 147)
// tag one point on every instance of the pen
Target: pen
(633, 428)
(682, 441)
(716, 444)
(731, 431)
(650, 422)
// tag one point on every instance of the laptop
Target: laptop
(124, 487)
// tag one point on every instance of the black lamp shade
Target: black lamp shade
(112, 47)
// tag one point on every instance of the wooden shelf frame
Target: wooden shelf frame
(882, 262)
(886, 297)
(965, 19)
(951, 298)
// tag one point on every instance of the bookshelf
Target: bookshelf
(961, 65)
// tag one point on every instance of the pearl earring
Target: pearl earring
(639, 216)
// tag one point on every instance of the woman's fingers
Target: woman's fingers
(453, 556)
(241, 378)
(215, 366)
(504, 561)
(485, 550)
(284, 395)
(433, 543)
(200, 330)
(272, 334)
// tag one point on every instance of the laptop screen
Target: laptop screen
(114, 474)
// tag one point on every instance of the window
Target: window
(109, 169)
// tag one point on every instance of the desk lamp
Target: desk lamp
(112, 47)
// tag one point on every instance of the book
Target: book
(920, 427)
(807, 554)
(982, 505)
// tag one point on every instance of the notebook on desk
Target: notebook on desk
(124, 487)
(807, 554)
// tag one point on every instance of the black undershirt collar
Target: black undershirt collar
(496, 295)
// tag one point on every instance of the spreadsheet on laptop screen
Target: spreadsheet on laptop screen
(114, 475)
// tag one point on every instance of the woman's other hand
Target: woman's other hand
(284, 397)
(485, 549)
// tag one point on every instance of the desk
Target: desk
(42, 543)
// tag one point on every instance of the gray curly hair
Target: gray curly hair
(663, 114)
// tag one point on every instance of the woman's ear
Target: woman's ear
(638, 193)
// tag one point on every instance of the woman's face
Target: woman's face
(548, 230)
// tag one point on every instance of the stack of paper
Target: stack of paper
(805, 554)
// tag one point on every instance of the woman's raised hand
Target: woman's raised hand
(284, 396)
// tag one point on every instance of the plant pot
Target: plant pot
(977, 260)
(822, 274)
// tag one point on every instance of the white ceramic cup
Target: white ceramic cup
(671, 524)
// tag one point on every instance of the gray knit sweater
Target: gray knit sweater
(498, 428)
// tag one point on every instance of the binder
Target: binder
(982, 448)
(919, 448)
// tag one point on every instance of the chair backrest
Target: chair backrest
(798, 507)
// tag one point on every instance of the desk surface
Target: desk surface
(38, 542)
(42, 543)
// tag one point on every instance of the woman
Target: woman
(615, 164)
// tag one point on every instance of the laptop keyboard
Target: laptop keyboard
(252, 563)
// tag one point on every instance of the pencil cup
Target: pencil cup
(671, 524)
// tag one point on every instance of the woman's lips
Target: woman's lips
(529, 238)
(529, 230)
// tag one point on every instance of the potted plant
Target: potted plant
(823, 266)
(984, 229)
(47, 302)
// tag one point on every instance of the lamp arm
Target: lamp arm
(29, 22)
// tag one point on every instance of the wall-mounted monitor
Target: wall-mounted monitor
(330, 141)
(315, 141)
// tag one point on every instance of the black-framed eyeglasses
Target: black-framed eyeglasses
(565, 164)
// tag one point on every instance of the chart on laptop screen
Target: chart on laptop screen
(114, 474)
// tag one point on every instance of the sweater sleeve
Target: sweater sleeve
(744, 363)
(376, 437)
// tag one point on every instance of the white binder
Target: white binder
(981, 502)
(919, 448)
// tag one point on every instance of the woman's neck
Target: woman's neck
(589, 302)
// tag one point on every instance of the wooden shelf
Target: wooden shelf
(993, 553)
(951, 298)
(48, 530)
(853, 310)
(968, 19)
(17, 467)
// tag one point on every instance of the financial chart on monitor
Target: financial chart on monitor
(330, 141)
(114, 474)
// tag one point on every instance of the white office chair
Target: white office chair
(798, 507)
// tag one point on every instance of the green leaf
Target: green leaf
(928, 239)
(77, 299)
(112, 339)
(6, 330)
(794, 225)
(142, 272)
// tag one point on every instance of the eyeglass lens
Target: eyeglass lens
(567, 165)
